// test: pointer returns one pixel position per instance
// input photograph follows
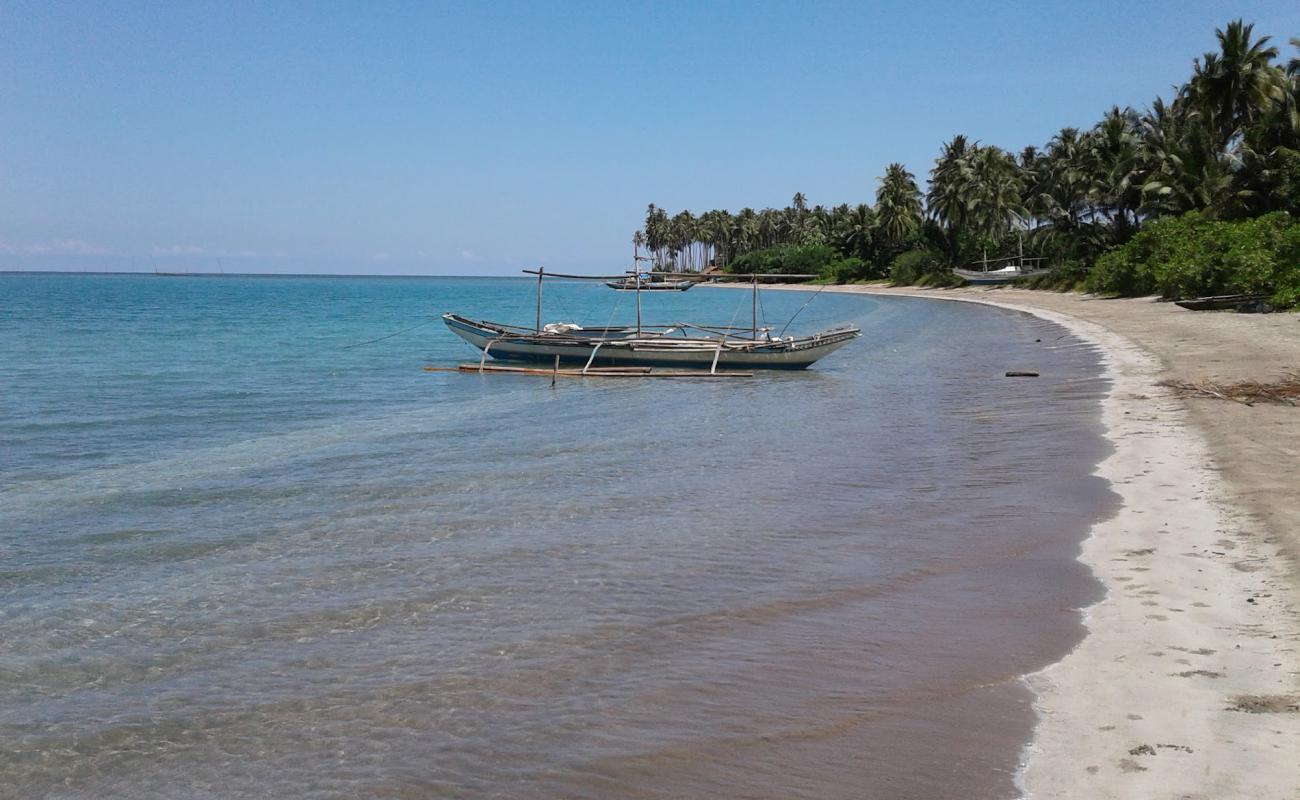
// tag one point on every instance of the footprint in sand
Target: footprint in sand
(1160, 617)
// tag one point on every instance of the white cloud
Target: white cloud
(55, 247)
(468, 255)
(180, 250)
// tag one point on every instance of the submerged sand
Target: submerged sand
(1188, 682)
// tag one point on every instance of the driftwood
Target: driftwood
(1285, 391)
(1021, 373)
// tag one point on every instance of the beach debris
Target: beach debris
(1284, 391)
(1142, 750)
(1266, 704)
(1021, 373)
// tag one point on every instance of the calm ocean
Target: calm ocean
(241, 559)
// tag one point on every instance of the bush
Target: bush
(914, 266)
(791, 259)
(1068, 276)
(843, 270)
(1191, 256)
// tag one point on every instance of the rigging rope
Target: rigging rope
(389, 336)
(801, 308)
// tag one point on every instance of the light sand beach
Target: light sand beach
(1188, 682)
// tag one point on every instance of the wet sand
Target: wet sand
(1188, 682)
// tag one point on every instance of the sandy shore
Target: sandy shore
(1188, 682)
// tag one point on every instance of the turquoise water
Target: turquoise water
(241, 556)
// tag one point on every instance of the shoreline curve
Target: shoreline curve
(1187, 681)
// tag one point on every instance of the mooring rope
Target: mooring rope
(389, 336)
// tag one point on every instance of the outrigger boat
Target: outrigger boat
(682, 345)
(633, 283)
(1014, 268)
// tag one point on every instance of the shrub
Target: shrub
(791, 259)
(1067, 276)
(914, 265)
(843, 270)
(1191, 256)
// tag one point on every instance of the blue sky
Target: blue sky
(478, 138)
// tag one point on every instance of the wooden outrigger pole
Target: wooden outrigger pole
(541, 271)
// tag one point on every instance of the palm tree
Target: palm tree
(898, 206)
(1186, 167)
(1236, 86)
(995, 189)
(950, 183)
(1116, 170)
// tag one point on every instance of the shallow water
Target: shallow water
(241, 559)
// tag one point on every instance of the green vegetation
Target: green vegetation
(1186, 197)
(1195, 255)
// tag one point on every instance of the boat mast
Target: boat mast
(754, 278)
(540, 271)
(637, 258)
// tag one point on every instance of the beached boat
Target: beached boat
(634, 284)
(1221, 302)
(1013, 268)
(689, 346)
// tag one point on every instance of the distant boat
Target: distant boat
(632, 284)
(1013, 268)
(705, 347)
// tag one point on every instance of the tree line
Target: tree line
(1225, 147)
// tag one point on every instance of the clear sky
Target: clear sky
(477, 138)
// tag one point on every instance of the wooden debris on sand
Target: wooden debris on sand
(1285, 391)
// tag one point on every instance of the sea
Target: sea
(250, 547)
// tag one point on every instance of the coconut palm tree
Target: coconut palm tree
(1236, 86)
(995, 192)
(1116, 170)
(854, 230)
(898, 206)
(950, 193)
